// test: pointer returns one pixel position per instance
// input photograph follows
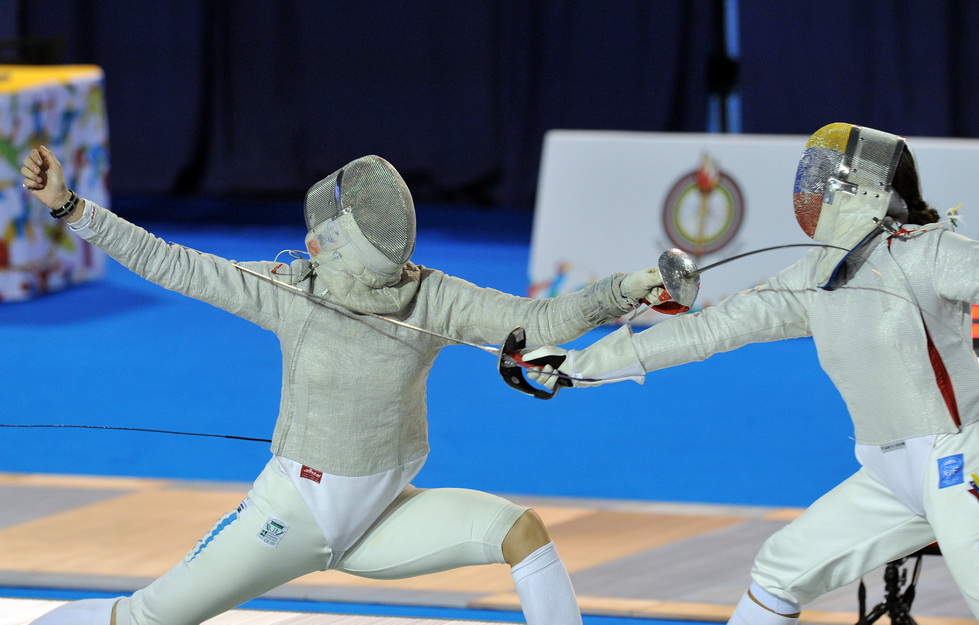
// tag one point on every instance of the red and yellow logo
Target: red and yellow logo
(703, 210)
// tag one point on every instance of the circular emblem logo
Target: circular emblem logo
(703, 210)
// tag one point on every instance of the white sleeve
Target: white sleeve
(611, 359)
(773, 311)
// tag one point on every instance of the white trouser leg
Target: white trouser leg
(953, 509)
(84, 612)
(545, 590)
(273, 540)
(426, 531)
(851, 530)
(430, 530)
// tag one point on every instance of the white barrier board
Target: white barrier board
(613, 201)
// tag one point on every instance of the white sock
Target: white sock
(544, 588)
(760, 607)
(83, 612)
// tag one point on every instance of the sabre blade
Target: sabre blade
(681, 276)
(322, 301)
(764, 249)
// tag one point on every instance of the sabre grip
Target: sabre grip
(511, 366)
(554, 360)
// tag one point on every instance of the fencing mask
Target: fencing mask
(361, 222)
(843, 189)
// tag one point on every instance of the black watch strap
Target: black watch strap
(69, 206)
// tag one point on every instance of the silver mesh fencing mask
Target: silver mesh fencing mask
(362, 216)
(843, 188)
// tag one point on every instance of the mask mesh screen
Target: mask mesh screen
(377, 198)
(320, 203)
(875, 159)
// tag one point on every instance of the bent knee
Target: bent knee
(526, 536)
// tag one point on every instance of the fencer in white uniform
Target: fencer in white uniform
(889, 309)
(352, 427)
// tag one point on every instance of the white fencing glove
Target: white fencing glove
(646, 287)
(612, 359)
(642, 286)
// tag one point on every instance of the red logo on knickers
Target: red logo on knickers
(310, 473)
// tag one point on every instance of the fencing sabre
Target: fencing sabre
(681, 280)
(681, 276)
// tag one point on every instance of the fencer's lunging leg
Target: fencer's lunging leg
(760, 607)
(426, 531)
(542, 582)
(83, 612)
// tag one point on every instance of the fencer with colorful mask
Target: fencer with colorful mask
(352, 428)
(888, 305)
(843, 191)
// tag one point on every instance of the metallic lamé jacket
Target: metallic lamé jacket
(353, 386)
(869, 331)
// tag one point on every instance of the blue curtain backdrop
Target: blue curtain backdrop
(262, 97)
(900, 65)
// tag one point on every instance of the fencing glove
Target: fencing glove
(642, 286)
(646, 287)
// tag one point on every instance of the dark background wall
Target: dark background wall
(261, 98)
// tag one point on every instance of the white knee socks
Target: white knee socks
(83, 612)
(544, 588)
(760, 607)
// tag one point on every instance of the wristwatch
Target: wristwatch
(69, 206)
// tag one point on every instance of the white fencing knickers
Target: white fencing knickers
(274, 539)
(861, 525)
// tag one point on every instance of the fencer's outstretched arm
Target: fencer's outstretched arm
(770, 312)
(204, 277)
(485, 315)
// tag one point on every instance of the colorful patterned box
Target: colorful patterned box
(62, 107)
